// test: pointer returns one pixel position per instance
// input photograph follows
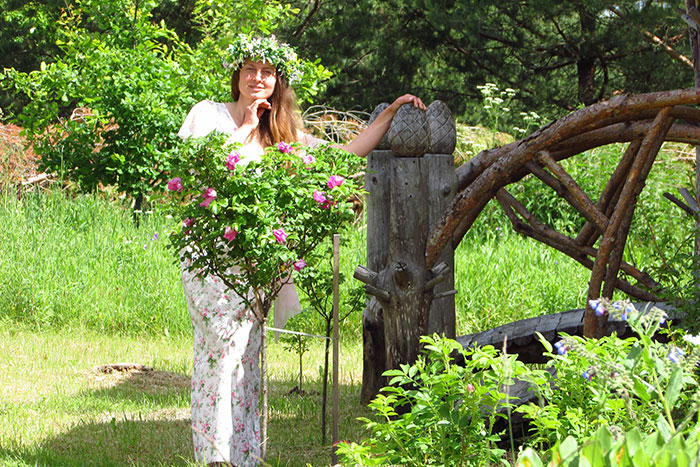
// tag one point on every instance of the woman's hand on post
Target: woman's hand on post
(370, 137)
(406, 99)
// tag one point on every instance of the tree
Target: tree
(107, 110)
(560, 54)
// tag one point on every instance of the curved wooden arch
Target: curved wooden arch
(645, 121)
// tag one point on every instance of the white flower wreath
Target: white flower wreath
(264, 49)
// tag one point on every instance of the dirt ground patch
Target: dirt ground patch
(139, 377)
(18, 161)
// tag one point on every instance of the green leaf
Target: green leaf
(674, 386)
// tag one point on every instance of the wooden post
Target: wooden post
(336, 341)
(691, 7)
(409, 187)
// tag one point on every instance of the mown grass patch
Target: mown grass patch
(59, 409)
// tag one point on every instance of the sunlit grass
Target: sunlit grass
(58, 409)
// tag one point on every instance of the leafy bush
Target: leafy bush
(437, 412)
(637, 382)
(107, 111)
(607, 401)
(633, 448)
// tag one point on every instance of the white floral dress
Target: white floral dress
(226, 374)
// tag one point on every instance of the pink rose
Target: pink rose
(299, 265)
(209, 196)
(280, 235)
(308, 160)
(229, 233)
(187, 222)
(175, 184)
(284, 147)
(319, 197)
(334, 181)
(232, 159)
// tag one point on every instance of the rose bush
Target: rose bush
(251, 223)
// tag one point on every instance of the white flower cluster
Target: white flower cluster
(264, 49)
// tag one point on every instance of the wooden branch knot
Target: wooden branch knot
(369, 277)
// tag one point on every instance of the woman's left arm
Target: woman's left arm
(368, 139)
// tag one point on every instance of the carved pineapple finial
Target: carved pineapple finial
(414, 132)
(384, 142)
(409, 134)
(443, 131)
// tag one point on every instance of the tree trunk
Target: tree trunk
(585, 63)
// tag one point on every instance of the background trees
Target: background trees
(559, 54)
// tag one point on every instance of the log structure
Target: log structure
(410, 180)
(437, 214)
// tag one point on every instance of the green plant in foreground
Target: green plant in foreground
(439, 412)
(633, 448)
(625, 397)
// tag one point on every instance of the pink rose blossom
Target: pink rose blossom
(284, 147)
(229, 233)
(280, 235)
(187, 222)
(319, 197)
(209, 196)
(308, 160)
(175, 184)
(299, 265)
(232, 159)
(334, 181)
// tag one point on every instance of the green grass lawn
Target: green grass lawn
(58, 409)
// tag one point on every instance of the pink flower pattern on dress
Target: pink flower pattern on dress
(226, 373)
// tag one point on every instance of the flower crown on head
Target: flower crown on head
(264, 49)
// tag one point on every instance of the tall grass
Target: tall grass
(82, 261)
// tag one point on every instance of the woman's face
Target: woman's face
(257, 80)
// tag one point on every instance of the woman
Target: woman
(226, 378)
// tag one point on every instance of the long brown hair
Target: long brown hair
(283, 121)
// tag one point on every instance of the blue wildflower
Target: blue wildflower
(597, 307)
(617, 304)
(675, 354)
(561, 347)
(587, 375)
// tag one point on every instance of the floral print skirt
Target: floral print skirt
(226, 374)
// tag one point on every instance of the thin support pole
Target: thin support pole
(336, 342)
